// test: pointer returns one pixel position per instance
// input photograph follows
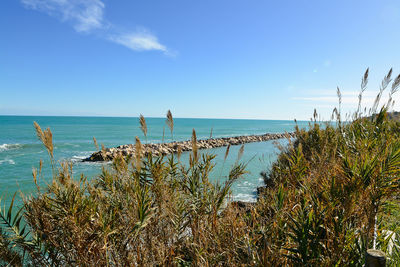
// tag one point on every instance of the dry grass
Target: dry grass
(331, 194)
(95, 143)
(46, 137)
(170, 123)
(143, 125)
(143, 211)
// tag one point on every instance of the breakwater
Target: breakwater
(158, 149)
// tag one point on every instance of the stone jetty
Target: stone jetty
(158, 149)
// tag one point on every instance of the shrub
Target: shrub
(332, 193)
(330, 187)
(144, 210)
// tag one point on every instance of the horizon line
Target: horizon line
(151, 117)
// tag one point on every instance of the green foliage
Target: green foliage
(332, 194)
(148, 211)
(331, 188)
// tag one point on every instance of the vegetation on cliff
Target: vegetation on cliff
(332, 193)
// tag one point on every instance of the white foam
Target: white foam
(79, 157)
(93, 163)
(245, 197)
(9, 161)
(5, 147)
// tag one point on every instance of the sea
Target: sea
(20, 149)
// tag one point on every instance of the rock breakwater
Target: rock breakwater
(158, 149)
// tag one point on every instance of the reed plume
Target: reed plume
(335, 113)
(170, 123)
(225, 157)
(103, 151)
(227, 151)
(396, 84)
(241, 151)
(194, 146)
(385, 82)
(179, 152)
(339, 95)
(40, 167)
(364, 82)
(143, 125)
(315, 115)
(393, 90)
(46, 137)
(35, 174)
(95, 143)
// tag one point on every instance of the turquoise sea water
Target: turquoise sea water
(20, 149)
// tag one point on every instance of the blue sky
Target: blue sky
(204, 59)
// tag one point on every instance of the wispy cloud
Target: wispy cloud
(84, 15)
(141, 40)
(87, 16)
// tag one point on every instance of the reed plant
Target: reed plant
(328, 192)
(332, 193)
(143, 125)
(142, 211)
(170, 123)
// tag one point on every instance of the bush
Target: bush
(145, 210)
(332, 193)
(330, 189)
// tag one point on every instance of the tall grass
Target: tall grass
(143, 125)
(140, 211)
(170, 123)
(332, 193)
(330, 188)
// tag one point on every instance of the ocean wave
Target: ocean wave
(77, 158)
(92, 163)
(9, 161)
(5, 147)
(245, 197)
(78, 155)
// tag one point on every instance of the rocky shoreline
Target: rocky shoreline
(159, 149)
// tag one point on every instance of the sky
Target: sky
(252, 59)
